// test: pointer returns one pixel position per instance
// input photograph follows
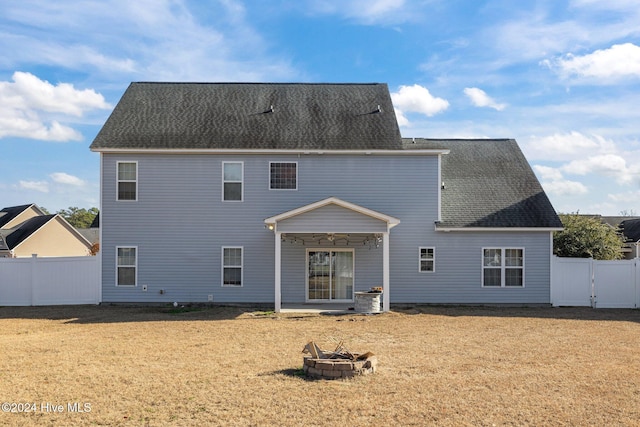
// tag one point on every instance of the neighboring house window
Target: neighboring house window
(283, 176)
(127, 180)
(427, 259)
(126, 266)
(232, 176)
(503, 267)
(232, 266)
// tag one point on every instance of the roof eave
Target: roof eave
(303, 151)
(497, 229)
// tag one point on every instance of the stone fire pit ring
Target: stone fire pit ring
(331, 369)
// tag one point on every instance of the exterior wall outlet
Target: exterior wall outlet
(144, 288)
(210, 298)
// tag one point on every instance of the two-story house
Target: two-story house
(305, 193)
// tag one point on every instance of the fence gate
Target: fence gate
(599, 284)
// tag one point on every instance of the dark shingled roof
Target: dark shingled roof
(26, 229)
(489, 183)
(631, 229)
(8, 214)
(240, 116)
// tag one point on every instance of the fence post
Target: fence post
(34, 259)
(592, 270)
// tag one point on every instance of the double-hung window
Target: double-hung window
(426, 259)
(127, 181)
(126, 266)
(503, 267)
(232, 177)
(232, 266)
(283, 175)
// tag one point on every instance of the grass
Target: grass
(446, 366)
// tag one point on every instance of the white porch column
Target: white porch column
(278, 275)
(385, 271)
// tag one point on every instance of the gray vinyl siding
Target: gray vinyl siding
(179, 224)
(332, 219)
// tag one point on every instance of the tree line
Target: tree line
(78, 217)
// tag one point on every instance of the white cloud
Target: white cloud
(64, 178)
(564, 188)
(416, 99)
(606, 65)
(29, 92)
(479, 98)
(364, 11)
(554, 182)
(27, 103)
(607, 164)
(566, 146)
(40, 186)
(629, 196)
(548, 173)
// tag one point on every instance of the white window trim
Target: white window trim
(503, 267)
(241, 181)
(134, 266)
(433, 260)
(283, 189)
(118, 180)
(222, 266)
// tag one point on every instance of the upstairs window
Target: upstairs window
(503, 267)
(283, 176)
(232, 177)
(127, 181)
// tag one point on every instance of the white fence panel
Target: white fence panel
(615, 283)
(15, 281)
(50, 281)
(571, 283)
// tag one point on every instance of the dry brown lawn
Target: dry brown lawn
(441, 366)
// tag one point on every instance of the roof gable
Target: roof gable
(256, 116)
(22, 232)
(15, 236)
(332, 201)
(9, 214)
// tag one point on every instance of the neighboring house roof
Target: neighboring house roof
(613, 221)
(96, 222)
(17, 235)
(631, 229)
(10, 213)
(488, 183)
(255, 116)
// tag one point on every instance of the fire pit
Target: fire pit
(331, 365)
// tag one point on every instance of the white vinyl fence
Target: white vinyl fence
(598, 284)
(50, 281)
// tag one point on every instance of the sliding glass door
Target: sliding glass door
(330, 275)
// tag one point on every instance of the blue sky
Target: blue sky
(562, 77)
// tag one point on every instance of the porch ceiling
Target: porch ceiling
(335, 239)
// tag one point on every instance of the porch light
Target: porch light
(270, 226)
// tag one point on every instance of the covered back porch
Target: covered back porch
(327, 250)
